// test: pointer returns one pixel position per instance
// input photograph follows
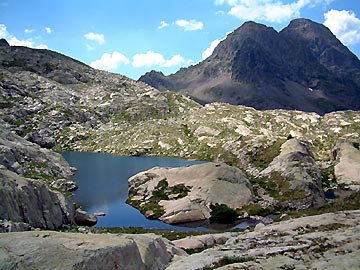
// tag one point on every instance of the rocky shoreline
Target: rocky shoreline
(313, 242)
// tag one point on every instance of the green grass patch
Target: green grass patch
(328, 177)
(263, 157)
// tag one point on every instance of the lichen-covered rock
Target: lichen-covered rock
(347, 169)
(296, 175)
(185, 194)
(53, 250)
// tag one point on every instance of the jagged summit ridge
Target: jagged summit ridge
(303, 67)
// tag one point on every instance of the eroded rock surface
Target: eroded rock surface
(347, 170)
(297, 176)
(53, 250)
(186, 193)
(314, 242)
(26, 171)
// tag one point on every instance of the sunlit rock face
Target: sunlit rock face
(185, 194)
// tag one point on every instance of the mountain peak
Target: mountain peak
(303, 67)
(4, 43)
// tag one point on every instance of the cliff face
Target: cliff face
(27, 173)
(303, 67)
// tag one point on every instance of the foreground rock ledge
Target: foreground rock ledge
(54, 250)
(328, 241)
(186, 193)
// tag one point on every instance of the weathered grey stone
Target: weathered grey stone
(314, 242)
(11, 226)
(209, 183)
(347, 170)
(30, 201)
(83, 218)
(300, 173)
(64, 185)
(53, 250)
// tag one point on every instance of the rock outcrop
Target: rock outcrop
(26, 171)
(83, 218)
(53, 250)
(296, 175)
(30, 201)
(314, 242)
(185, 194)
(347, 170)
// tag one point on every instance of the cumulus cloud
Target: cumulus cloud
(29, 31)
(14, 41)
(344, 24)
(210, 50)
(191, 25)
(150, 59)
(110, 62)
(99, 38)
(275, 11)
(163, 24)
(48, 30)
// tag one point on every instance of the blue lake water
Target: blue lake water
(103, 187)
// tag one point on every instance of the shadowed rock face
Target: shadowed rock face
(26, 171)
(31, 202)
(303, 67)
(200, 185)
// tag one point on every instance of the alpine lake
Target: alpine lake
(103, 187)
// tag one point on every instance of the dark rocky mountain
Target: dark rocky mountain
(303, 67)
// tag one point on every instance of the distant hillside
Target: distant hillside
(303, 67)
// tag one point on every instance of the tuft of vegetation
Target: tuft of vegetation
(221, 213)
(228, 260)
(328, 177)
(265, 156)
(162, 191)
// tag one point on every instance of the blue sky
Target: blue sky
(132, 37)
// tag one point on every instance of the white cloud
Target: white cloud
(191, 25)
(14, 41)
(163, 24)
(41, 46)
(150, 59)
(29, 31)
(275, 11)
(99, 38)
(48, 30)
(210, 50)
(344, 24)
(110, 62)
